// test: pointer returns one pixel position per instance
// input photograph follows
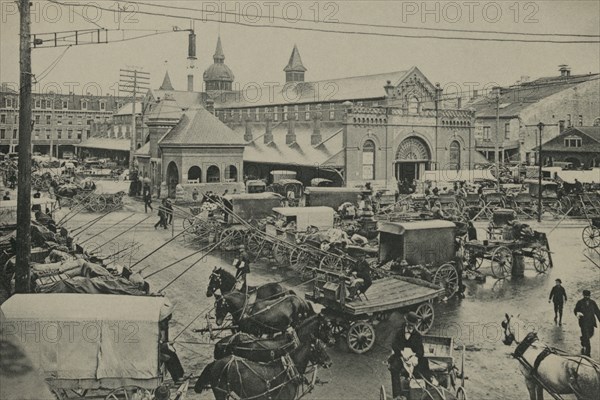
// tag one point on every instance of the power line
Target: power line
(380, 34)
(369, 25)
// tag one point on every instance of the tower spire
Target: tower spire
(219, 56)
(294, 70)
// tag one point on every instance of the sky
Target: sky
(259, 54)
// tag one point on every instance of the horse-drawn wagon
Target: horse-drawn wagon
(112, 353)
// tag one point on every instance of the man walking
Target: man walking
(147, 198)
(242, 265)
(558, 296)
(162, 215)
(587, 311)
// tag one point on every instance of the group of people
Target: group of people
(165, 214)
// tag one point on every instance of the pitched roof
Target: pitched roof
(127, 109)
(165, 108)
(295, 63)
(300, 153)
(198, 127)
(106, 143)
(514, 99)
(329, 90)
(557, 143)
(166, 85)
(143, 151)
(182, 98)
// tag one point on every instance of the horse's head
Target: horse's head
(316, 327)
(233, 303)
(318, 354)
(214, 282)
(514, 329)
(221, 309)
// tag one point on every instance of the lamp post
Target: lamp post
(539, 205)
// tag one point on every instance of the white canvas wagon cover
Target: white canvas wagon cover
(88, 341)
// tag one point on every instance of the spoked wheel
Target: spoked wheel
(555, 208)
(331, 262)
(231, 239)
(591, 236)
(188, 222)
(361, 337)
(541, 261)
(254, 244)
(461, 394)
(426, 316)
(129, 393)
(281, 253)
(446, 276)
(100, 203)
(298, 258)
(473, 261)
(501, 261)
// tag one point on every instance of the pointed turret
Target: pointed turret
(166, 85)
(294, 70)
(218, 76)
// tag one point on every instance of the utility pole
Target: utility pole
(438, 91)
(22, 276)
(539, 200)
(133, 81)
(496, 144)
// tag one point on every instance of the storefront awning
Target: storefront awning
(106, 144)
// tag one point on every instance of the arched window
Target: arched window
(454, 155)
(230, 173)
(213, 174)
(195, 174)
(413, 105)
(368, 160)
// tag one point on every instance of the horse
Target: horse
(236, 377)
(264, 316)
(547, 368)
(222, 280)
(268, 349)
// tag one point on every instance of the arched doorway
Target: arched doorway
(213, 174)
(454, 156)
(412, 159)
(172, 178)
(231, 174)
(195, 174)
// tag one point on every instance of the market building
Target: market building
(579, 146)
(509, 116)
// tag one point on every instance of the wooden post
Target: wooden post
(22, 276)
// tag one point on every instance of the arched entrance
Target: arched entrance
(412, 159)
(454, 156)
(172, 178)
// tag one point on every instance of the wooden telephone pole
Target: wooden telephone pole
(23, 250)
(134, 82)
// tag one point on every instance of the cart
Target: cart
(424, 248)
(551, 202)
(450, 379)
(256, 186)
(110, 353)
(591, 233)
(285, 186)
(354, 319)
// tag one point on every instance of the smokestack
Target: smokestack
(291, 132)
(248, 133)
(459, 103)
(389, 89)
(316, 138)
(210, 106)
(190, 81)
(268, 131)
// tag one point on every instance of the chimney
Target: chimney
(190, 85)
(268, 130)
(389, 89)
(290, 138)
(475, 93)
(248, 133)
(316, 138)
(564, 70)
(210, 106)
(459, 103)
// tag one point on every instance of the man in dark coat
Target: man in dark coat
(558, 296)
(407, 337)
(587, 311)
(242, 266)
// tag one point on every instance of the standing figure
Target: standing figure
(558, 296)
(242, 265)
(162, 215)
(147, 198)
(587, 311)
(169, 212)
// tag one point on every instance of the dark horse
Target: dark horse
(264, 316)
(268, 349)
(235, 377)
(224, 281)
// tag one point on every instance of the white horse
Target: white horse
(547, 368)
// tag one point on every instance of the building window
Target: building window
(296, 116)
(70, 134)
(568, 120)
(231, 174)
(275, 114)
(258, 114)
(38, 104)
(2, 133)
(507, 130)
(9, 103)
(580, 122)
(368, 160)
(48, 132)
(84, 105)
(331, 111)
(102, 105)
(16, 118)
(79, 121)
(454, 155)
(37, 119)
(14, 133)
(486, 132)
(413, 105)
(79, 133)
(65, 105)
(572, 141)
(37, 133)
(87, 134)
(307, 116)
(213, 174)
(48, 119)
(49, 104)
(2, 118)
(194, 174)
(59, 134)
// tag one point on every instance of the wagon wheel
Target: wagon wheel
(426, 316)
(555, 208)
(331, 262)
(99, 203)
(188, 222)
(129, 393)
(501, 261)
(382, 393)
(446, 276)
(281, 253)
(231, 239)
(541, 261)
(591, 236)
(203, 228)
(297, 258)
(461, 394)
(254, 244)
(472, 260)
(566, 204)
(361, 337)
